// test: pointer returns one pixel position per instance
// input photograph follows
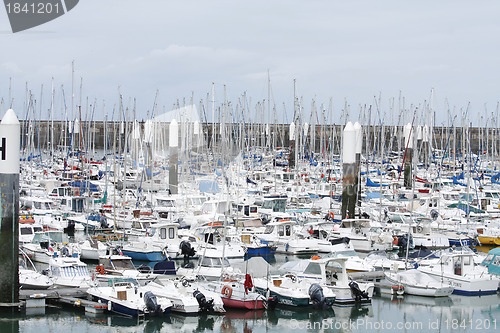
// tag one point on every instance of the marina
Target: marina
(169, 231)
(263, 166)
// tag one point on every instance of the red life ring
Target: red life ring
(227, 291)
(395, 241)
(331, 215)
(100, 269)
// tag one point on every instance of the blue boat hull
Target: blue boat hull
(145, 256)
(126, 311)
(261, 251)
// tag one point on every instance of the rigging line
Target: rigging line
(446, 147)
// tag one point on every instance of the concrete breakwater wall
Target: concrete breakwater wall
(96, 134)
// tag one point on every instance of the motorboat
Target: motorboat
(459, 271)
(237, 294)
(71, 272)
(418, 283)
(126, 297)
(289, 290)
(115, 265)
(30, 278)
(282, 234)
(331, 272)
(188, 297)
(49, 244)
(492, 261)
(92, 249)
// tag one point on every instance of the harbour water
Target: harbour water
(385, 314)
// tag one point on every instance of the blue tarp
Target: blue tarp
(456, 182)
(373, 195)
(83, 186)
(370, 183)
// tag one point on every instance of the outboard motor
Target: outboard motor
(70, 229)
(187, 250)
(205, 306)
(358, 293)
(317, 297)
(151, 302)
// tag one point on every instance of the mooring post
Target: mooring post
(349, 171)
(9, 209)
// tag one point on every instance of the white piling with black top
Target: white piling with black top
(359, 144)
(349, 171)
(9, 209)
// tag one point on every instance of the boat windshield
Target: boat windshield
(487, 260)
(48, 236)
(69, 271)
(214, 262)
(343, 254)
(42, 205)
(123, 264)
(165, 203)
(122, 282)
(269, 229)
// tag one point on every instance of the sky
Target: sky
(399, 57)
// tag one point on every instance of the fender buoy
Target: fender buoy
(100, 269)
(227, 291)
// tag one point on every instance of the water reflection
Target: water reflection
(410, 314)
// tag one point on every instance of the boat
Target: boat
(188, 297)
(459, 271)
(92, 249)
(282, 234)
(492, 261)
(215, 240)
(49, 244)
(332, 272)
(237, 294)
(257, 247)
(115, 264)
(124, 296)
(209, 268)
(144, 251)
(288, 290)
(30, 278)
(418, 283)
(365, 235)
(27, 230)
(69, 272)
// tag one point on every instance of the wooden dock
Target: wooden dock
(68, 296)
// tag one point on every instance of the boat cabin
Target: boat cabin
(492, 261)
(273, 204)
(73, 204)
(37, 205)
(167, 231)
(280, 229)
